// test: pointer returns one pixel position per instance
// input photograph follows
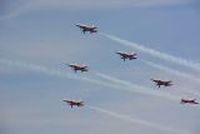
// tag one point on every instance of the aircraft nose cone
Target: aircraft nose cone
(118, 52)
(77, 24)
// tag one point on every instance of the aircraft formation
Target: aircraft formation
(124, 56)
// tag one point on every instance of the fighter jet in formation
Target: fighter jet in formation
(77, 67)
(124, 56)
(160, 83)
(74, 103)
(127, 55)
(87, 28)
(189, 101)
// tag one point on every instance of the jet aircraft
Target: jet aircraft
(87, 28)
(189, 101)
(127, 55)
(160, 83)
(74, 103)
(77, 67)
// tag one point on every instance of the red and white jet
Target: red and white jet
(77, 67)
(127, 55)
(160, 83)
(190, 101)
(74, 103)
(87, 28)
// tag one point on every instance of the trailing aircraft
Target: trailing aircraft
(87, 28)
(127, 55)
(160, 83)
(77, 67)
(74, 103)
(190, 101)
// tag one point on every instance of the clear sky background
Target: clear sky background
(42, 32)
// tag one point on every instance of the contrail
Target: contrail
(18, 11)
(138, 121)
(131, 88)
(137, 88)
(114, 80)
(56, 73)
(155, 53)
(175, 72)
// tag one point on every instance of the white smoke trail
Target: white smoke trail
(155, 53)
(131, 88)
(58, 73)
(55, 72)
(177, 73)
(18, 11)
(138, 88)
(114, 80)
(139, 121)
(173, 71)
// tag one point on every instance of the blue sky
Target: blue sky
(43, 33)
